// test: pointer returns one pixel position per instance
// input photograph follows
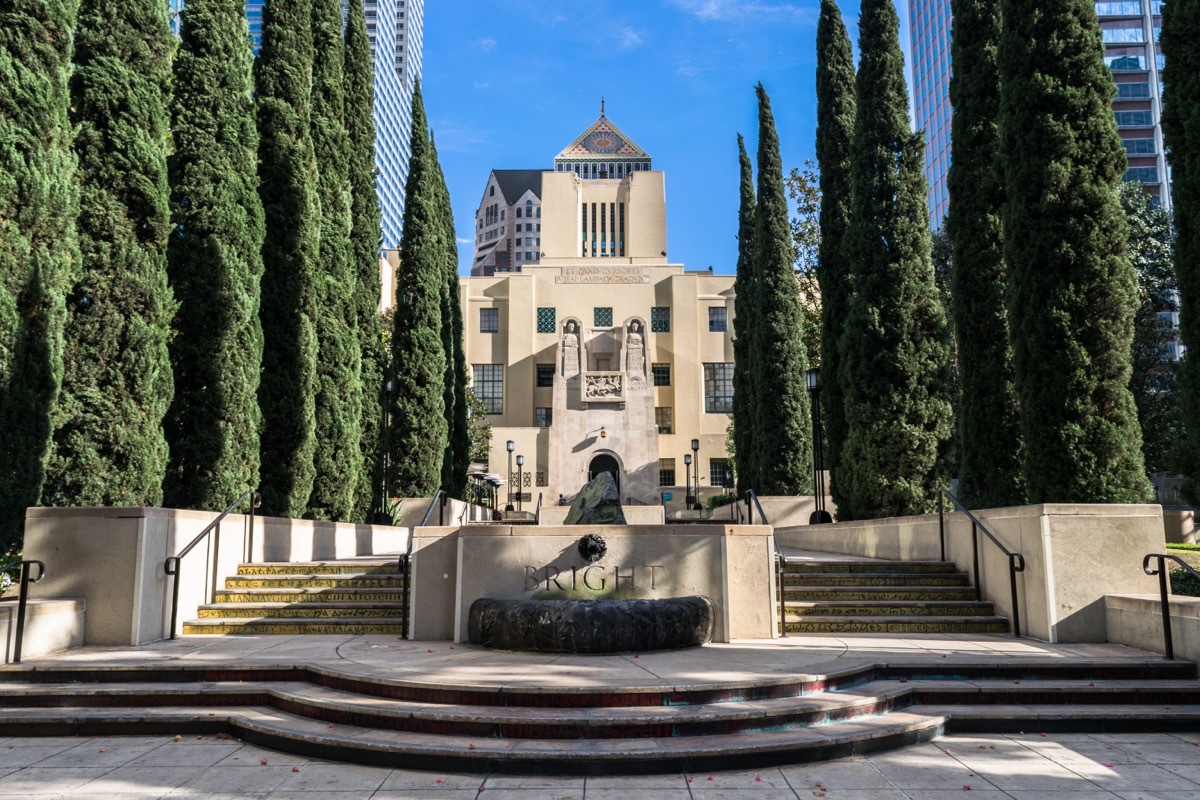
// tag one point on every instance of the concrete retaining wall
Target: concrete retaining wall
(1136, 620)
(50, 626)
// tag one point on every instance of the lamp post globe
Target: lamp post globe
(687, 492)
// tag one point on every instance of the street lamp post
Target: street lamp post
(819, 515)
(509, 446)
(520, 464)
(687, 492)
(696, 458)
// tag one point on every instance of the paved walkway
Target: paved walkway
(1019, 767)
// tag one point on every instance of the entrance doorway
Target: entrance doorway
(605, 463)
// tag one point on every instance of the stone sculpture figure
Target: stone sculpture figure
(570, 351)
(636, 347)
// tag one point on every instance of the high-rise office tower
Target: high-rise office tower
(396, 30)
(1130, 31)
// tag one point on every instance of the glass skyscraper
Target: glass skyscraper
(396, 29)
(1130, 31)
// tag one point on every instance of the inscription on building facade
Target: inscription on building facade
(595, 578)
(602, 275)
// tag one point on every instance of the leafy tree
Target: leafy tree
(417, 440)
(783, 447)
(480, 429)
(988, 421)
(804, 190)
(38, 248)
(365, 234)
(109, 447)
(744, 356)
(1071, 289)
(214, 262)
(1181, 132)
(893, 351)
(835, 132)
(337, 457)
(457, 458)
(1153, 380)
(292, 209)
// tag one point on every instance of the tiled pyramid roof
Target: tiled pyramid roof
(602, 140)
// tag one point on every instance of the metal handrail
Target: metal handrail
(441, 495)
(171, 565)
(752, 498)
(1165, 591)
(1016, 561)
(23, 598)
(405, 565)
(537, 512)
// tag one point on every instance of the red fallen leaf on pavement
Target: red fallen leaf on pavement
(966, 788)
(710, 777)
(263, 762)
(904, 680)
(1108, 765)
(102, 750)
(428, 651)
(470, 747)
(946, 751)
(439, 780)
(1043, 734)
(635, 655)
(295, 769)
(690, 779)
(757, 779)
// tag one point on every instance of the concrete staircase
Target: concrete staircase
(872, 596)
(323, 597)
(320, 711)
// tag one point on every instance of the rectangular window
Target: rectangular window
(1133, 91)
(1139, 147)
(545, 375)
(719, 473)
(489, 320)
(662, 418)
(718, 388)
(518, 212)
(1119, 9)
(542, 417)
(661, 373)
(1125, 63)
(547, 320)
(1142, 174)
(660, 319)
(602, 317)
(666, 472)
(488, 383)
(717, 321)
(1134, 119)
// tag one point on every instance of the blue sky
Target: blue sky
(509, 83)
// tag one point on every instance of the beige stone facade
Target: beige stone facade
(602, 355)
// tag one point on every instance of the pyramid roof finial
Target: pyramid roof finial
(602, 106)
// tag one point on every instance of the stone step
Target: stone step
(306, 610)
(296, 595)
(855, 608)
(295, 626)
(876, 579)
(885, 624)
(393, 581)
(354, 567)
(879, 593)
(794, 567)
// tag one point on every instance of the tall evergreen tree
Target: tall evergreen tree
(783, 445)
(457, 458)
(1181, 132)
(38, 248)
(1072, 291)
(336, 455)
(990, 469)
(109, 447)
(893, 349)
(418, 434)
(365, 235)
(292, 210)
(743, 326)
(214, 261)
(835, 130)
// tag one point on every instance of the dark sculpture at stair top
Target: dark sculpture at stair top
(598, 503)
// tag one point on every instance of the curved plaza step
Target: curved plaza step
(617, 729)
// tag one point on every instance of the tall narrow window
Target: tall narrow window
(666, 472)
(622, 239)
(489, 320)
(662, 418)
(603, 231)
(718, 388)
(583, 228)
(717, 320)
(488, 384)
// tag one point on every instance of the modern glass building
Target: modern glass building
(396, 29)
(1130, 31)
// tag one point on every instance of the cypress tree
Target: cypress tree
(990, 470)
(109, 447)
(1181, 131)
(336, 455)
(418, 434)
(1072, 291)
(893, 349)
(38, 247)
(743, 326)
(835, 130)
(292, 210)
(215, 262)
(457, 458)
(783, 446)
(365, 234)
